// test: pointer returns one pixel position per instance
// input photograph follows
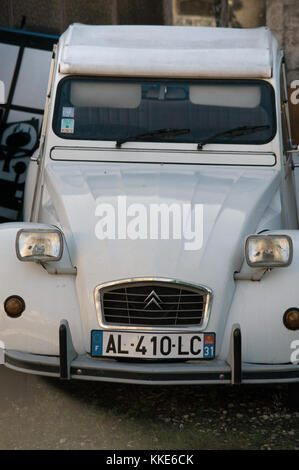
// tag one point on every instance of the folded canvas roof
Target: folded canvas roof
(170, 51)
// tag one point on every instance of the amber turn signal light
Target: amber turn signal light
(14, 306)
(291, 318)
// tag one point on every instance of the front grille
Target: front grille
(153, 303)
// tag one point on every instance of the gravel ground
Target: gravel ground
(42, 413)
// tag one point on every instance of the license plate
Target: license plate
(153, 345)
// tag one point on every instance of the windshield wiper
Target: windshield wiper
(236, 131)
(155, 133)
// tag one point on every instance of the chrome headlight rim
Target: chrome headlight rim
(268, 264)
(40, 258)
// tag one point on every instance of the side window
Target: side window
(285, 117)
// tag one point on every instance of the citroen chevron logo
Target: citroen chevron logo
(153, 300)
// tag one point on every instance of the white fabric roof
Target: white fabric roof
(170, 51)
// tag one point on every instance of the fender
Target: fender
(259, 306)
(48, 299)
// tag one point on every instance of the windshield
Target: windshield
(126, 110)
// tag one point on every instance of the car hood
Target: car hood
(233, 200)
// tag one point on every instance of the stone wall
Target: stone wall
(283, 19)
(193, 12)
(240, 13)
(54, 16)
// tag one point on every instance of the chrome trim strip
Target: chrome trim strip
(158, 280)
(169, 153)
(162, 150)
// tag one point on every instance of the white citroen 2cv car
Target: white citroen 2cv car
(160, 241)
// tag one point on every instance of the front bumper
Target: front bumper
(214, 372)
(68, 365)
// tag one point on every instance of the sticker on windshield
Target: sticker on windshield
(68, 111)
(67, 125)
